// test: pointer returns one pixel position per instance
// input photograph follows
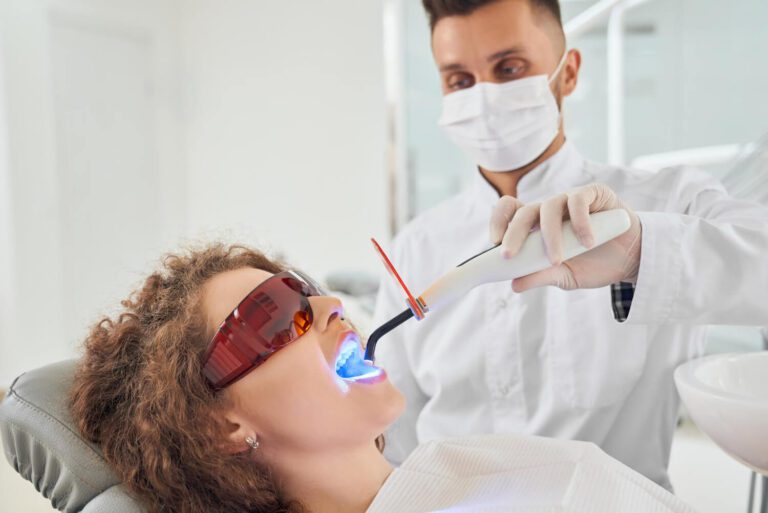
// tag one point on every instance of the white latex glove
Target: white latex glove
(615, 261)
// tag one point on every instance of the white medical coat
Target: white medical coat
(509, 474)
(558, 364)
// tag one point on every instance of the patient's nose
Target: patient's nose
(326, 310)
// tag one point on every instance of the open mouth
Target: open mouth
(350, 365)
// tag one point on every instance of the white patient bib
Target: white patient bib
(511, 474)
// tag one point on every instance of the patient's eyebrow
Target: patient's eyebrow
(514, 50)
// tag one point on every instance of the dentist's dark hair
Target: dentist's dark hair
(439, 9)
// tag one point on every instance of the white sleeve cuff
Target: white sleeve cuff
(660, 274)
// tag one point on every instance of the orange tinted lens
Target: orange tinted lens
(302, 321)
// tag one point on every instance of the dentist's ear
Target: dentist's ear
(569, 77)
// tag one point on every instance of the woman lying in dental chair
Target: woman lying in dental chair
(230, 384)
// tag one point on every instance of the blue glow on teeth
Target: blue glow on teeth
(350, 365)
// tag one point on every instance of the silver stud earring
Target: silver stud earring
(253, 442)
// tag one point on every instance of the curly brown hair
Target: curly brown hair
(140, 395)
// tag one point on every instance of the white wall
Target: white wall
(34, 247)
(93, 155)
(7, 286)
(285, 127)
(134, 126)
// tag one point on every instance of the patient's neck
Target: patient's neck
(333, 481)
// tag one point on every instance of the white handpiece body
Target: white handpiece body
(491, 266)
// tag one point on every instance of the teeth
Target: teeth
(347, 349)
(342, 360)
(349, 363)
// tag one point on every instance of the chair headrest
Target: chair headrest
(41, 442)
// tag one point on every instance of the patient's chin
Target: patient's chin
(399, 407)
(389, 405)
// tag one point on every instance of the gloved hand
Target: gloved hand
(615, 261)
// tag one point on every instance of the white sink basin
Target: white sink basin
(727, 397)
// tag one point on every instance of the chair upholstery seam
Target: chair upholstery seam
(56, 453)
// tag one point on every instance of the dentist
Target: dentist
(590, 358)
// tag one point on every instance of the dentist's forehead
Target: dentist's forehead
(223, 292)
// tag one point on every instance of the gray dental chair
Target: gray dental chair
(42, 444)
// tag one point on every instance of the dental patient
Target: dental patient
(229, 383)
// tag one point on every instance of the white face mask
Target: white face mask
(503, 126)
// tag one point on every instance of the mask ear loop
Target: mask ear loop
(559, 67)
(554, 75)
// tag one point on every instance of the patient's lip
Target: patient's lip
(381, 376)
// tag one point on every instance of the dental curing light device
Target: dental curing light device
(490, 266)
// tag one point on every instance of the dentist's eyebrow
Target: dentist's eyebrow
(451, 67)
(515, 50)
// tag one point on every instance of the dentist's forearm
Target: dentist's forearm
(702, 271)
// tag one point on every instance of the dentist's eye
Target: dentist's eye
(459, 81)
(509, 69)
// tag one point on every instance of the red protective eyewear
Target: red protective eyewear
(272, 315)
